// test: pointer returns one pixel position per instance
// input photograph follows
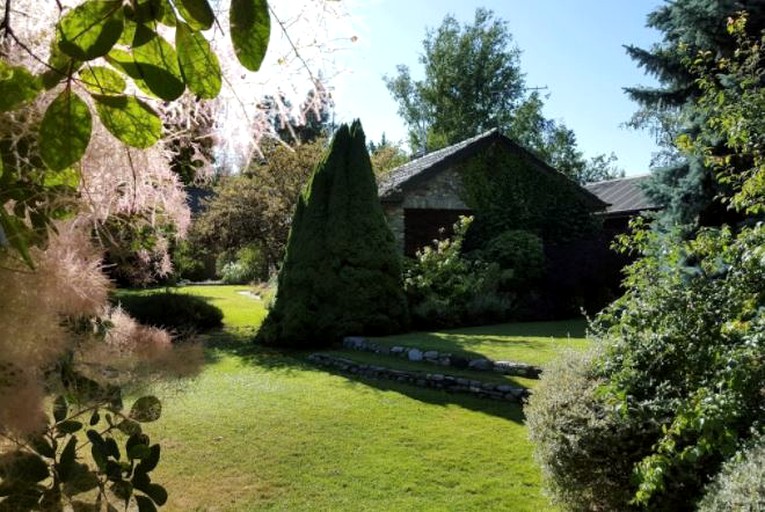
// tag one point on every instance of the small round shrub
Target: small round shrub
(174, 311)
(519, 250)
(585, 448)
(740, 485)
(242, 267)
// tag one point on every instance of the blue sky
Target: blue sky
(575, 49)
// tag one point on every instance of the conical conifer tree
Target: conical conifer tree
(341, 273)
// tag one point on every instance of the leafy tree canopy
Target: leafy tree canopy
(473, 82)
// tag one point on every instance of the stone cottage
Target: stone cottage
(426, 196)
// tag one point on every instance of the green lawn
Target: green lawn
(263, 430)
(527, 342)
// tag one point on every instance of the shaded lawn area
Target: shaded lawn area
(526, 342)
(260, 429)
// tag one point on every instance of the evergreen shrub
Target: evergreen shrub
(342, 272)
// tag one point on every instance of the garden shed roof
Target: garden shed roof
(419, 169)
(623, 195)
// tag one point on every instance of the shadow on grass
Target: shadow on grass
(463, 342)
(505, 410)
(239, 343)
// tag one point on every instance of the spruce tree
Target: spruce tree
(341, 273)
(684, 185)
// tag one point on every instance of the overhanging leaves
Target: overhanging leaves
(65, 131)
(129, 119)
(199, 64)
(102, 80)
(157, 64)
(123, 61)
(17, 86)
(91, 29)
(250, 25)
(197, 13)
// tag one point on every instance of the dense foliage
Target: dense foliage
(256, 207)
(445, 288)
(341, 273)
(683, 182)
(681, 368)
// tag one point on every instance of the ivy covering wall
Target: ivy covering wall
(508, 191)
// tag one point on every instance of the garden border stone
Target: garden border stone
(515, 369)
(445, 382)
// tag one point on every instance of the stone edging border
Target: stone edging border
(430, 380)
(443, 359)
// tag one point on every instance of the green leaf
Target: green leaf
(65, 131)
(250, 25)
(81, 480)
(91, 29)
(111, 448)
(129, 119)
(23, 467)
(146, 409)
(157, 64)
(17, 235)
(60, 408)
(69, 427)
(102, 80)
(61, 66)
(123, 61)
(66, 463)
(17, 86)
(122, 489)
(94, 418)
(199, 64)
(68, 178)
(42, 446)
(145, 504)
(197, 13)
(139, 451)
(129, 427)
(149, 463)
(157, 493)
(147, 11)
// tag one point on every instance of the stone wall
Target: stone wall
(429, 380)
(440, 191)
(444, 359)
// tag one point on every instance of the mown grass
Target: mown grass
(264, 430)
(528, 342)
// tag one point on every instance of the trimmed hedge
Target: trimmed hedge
(174, 311)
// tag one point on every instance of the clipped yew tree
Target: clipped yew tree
(341, 273)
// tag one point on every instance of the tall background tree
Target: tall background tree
(473, 82)
(683, 182)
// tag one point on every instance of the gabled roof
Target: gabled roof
(391, 188)
(623, 195)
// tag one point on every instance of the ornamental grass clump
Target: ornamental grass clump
(341, 273)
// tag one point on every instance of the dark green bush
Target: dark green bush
(518, 250)
(177, 312)
(740, 486)
(585, 448)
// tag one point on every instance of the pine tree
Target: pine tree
(684, 184)
(341, 273)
